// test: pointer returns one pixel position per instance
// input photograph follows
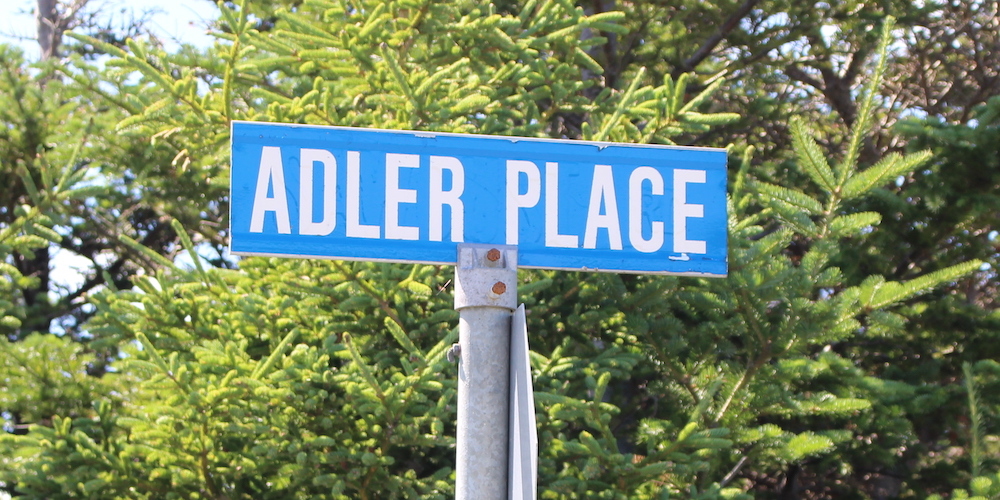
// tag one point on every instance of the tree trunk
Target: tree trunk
(48, 21)
(51, 21)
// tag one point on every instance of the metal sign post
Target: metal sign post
(485, 297)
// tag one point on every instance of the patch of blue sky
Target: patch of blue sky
(174, 23)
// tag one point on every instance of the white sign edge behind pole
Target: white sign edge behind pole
(523, 428)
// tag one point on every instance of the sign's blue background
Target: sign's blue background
(484, 159)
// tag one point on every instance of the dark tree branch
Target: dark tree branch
(857, 63)
(798, 74)
(838, 91)
(713, 41)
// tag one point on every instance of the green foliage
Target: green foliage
(60, 156)
(981, 488)
(944, 214)
(237, 375)
(325, 379)
(44, 375)
(983, 485)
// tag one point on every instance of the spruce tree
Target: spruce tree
(327, 379)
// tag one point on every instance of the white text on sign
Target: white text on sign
(523, 190)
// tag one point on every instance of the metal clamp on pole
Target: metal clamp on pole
(485, 297)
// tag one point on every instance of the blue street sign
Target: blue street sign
(395, 196)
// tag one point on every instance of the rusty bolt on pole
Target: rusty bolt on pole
(499, 287)
(493, 255)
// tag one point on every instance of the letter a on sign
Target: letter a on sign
(271, 174)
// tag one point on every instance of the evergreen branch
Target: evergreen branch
(300, 26)
(115, 99)
(397, 73)
(739, 182)
(189, 246)
(706, 399)
(365, 287)
(977, 434)
(366, 372)
(743, 382)
(844, 225)
(763, 356)
(795, 198)
(234, 52)
(141, 65)
(894, 292)
(714, 83)
(276, 354)
(890, 167)
(227, 83)
(811, 157)
(10, 352)
(204, 466)
(622, 105)
(99, 44)
(158, 360)
(29, 185)
(595, 406)
(677, 94)
(70, 163)
(418, 18)
(683, 379)
(430, 82)
(404, 340)
(866, 112)
(147, 252)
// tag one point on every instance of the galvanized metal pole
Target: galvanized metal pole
(485, 297)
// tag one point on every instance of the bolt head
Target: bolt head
(493, 255)
(499, 287)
